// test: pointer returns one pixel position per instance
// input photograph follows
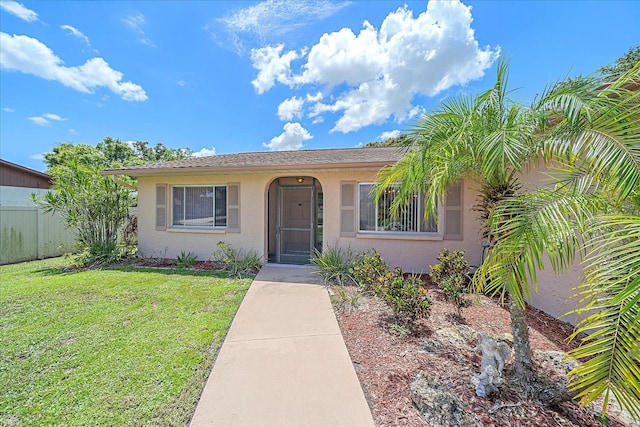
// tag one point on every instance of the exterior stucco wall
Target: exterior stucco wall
(406, 252)
(202, 243)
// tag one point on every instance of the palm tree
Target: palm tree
(593, 211)
(487, 139)
(590, 128)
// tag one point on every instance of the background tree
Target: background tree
(112, 153)
(92, 204)
(394, 141)
(622, 65)
(67, 153)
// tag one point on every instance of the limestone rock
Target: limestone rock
(437, 403)
(459, 334)
(554, 360)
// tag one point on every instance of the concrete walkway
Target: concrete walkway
(283, 362)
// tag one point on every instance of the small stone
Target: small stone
(437, 403)
(431, 346)
(457, 334)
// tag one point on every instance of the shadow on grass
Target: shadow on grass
(172, 271)
(59, 271)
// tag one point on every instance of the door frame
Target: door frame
(279, 217)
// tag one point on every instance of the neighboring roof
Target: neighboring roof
(14, 175)
(375, 157)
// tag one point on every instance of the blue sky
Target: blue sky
(225, 77)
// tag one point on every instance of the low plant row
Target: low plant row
(406, 294)
(237, 262)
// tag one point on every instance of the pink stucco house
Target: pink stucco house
(285, 204)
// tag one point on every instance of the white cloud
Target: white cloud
(374, 75)
(205, 152)
(76, 33)
(46, 119)
(290, 109)
(72, 131)
(39, 120)
(17, 9)
(30, 56)
(272, 19)
(315, 98)
(291, 139)
(50, 116)
(9, 110)
(136, 23)
(39, 156)
(272, 67)
(389, 134)
(182, 83)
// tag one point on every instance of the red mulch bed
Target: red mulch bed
(387, 363)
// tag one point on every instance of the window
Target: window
(376, 216)
(199, 206)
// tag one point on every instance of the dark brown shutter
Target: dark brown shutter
(161, 207)
(348, 208)
(233, 207)
(453, 211)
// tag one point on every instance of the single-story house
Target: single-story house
(285, 204)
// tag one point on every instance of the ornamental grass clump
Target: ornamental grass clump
(237, 262)
(334, 265)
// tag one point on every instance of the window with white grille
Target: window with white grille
(377, 217)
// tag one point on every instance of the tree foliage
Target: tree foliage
(93, 205)
(111, 153)
(488, 139)
(622, 65)
(593, 214)
(395, 141)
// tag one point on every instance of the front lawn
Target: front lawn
(118, 346)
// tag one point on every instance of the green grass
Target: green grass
(119, 346)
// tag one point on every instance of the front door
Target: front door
(295, 230)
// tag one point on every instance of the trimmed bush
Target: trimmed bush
(367, 268)
(407, 297)
(451, 274)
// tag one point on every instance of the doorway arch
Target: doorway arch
(295, 219)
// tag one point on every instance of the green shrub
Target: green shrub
(101, 254)
(367, 268)
(451, 274)
(407, 296)
(186, 260)
(237, 263)
(334, 265)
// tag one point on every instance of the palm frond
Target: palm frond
(531, 226)
(611, 291)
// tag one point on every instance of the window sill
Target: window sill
(399, 236)
(197, 230)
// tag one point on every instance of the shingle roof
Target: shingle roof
(308, 159)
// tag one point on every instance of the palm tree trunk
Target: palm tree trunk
(520, 331)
